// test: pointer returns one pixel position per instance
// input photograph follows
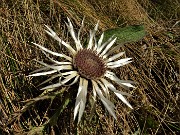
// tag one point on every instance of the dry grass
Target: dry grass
(155, 68)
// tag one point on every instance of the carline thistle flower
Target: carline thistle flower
(82, 65)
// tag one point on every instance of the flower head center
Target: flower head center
(89, 64)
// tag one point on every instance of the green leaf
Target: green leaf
(53, 120)
(126, 34)
(36, 131)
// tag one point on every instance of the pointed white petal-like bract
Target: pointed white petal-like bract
(83, 101)
(112, 88)
(100, 41)
(76, 109)
(114, 57)
(95, 44)
(127, 84)
(79, 32)
(81, 98)
(55, 61)
(92, 35)
(105, 89)
(123, 99)
(108, 46)
(101, 47)
(94, 94)
(54, 35)
(112, 50)
(98, 90)
(40, 70)
(67, 79)
(51, 78)
(71, 30)
(119, 65)
(123, 83)
(120, 62)
(58, 68)
(53, 53)
(44, 73)
(108, 104)
(109, 108)
(118, 93)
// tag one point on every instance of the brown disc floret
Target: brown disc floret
(89, 64)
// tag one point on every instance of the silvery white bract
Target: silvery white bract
(82, 65)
